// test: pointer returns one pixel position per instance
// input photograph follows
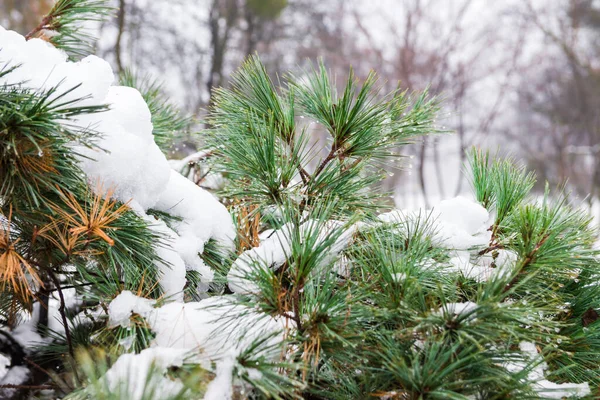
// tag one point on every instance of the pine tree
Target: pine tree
(327, 293)
(381, 309)
(60, 230)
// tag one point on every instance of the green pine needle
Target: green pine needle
(65, 25)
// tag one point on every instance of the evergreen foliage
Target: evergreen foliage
(372, 306)
(64, 25)
(264, 148)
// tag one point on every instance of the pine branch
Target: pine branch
(63, 26)
(326, 160)
(62, 311)
(29, 387)
(259, 145)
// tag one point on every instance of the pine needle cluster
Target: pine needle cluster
(65, 25)
(265, 149)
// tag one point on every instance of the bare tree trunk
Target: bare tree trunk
(438, 170)
(227, 10)
(461, 145)
(250, 31)
(121, 27)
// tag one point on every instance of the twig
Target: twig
(40, 387)
(121, 24)
(296, 305)
(71, 286)
(202, 177)
(354, 164)
(192, 159)
(36, 366)
(526, 262)
(326, 161)
(45, 24)
(497, 246)
(303, 174)
(61, 310)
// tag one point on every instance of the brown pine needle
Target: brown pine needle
(62, 239)
(248, 227)
(92, 219)
(35, 159)
(14, 269)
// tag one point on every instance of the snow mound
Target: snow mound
(135, 376)
(457, 224)
(198, 328)
(545, 388)
(461, 227)
(192, 325)
(461, 224)
(458, 308)
(128, 160)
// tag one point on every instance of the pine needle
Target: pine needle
(92, 218)
(15, 271)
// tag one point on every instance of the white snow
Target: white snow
(26, 332)
(543, 387)
(460, 226)
(459, 308)
(171, 267)
(479, 268)
(457, 224)
(16, 375)
(135, 376)
(192, 325)
(4, 364)
(201, 328)
(129, 162)
(222, 386)
(122, 307)
(203, 217)
(465, 214)
(42, 67)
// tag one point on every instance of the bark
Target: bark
(222, 17)
(121, 27)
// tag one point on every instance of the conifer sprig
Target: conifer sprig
(64, 25)
(365, 129)
(34, 145)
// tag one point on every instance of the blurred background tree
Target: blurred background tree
(523, 74)
(561, 102)
(21, 15)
